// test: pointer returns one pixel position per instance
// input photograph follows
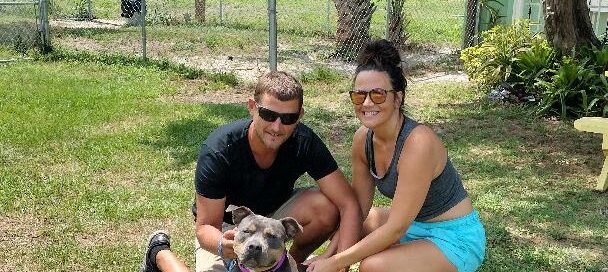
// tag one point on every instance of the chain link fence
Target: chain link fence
(233, 35)
(20, 26)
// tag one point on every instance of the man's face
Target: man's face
(272, 134)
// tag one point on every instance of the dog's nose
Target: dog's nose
(254, 247)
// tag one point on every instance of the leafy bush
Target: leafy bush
(19, 36)
(575, 88)
(514, 59)
(321, 73)
(491, 62)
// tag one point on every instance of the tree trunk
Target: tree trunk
(354, 17)
(470, 24)
(396, 23)
(199, 10)
(567, 24)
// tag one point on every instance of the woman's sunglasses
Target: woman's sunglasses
(377, 95)
(271, 116)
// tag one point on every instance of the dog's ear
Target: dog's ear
(292, 227)
(238, 213)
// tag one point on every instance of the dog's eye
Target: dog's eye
(248, 231)
(270, 235)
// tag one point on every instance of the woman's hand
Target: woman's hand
(323, 256)
(324, 265)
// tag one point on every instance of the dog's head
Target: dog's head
(259, 242)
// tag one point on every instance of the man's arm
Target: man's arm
(335, 187)
(209, 217)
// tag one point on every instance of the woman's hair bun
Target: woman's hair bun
(380, 52)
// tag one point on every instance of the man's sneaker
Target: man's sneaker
(158, 238)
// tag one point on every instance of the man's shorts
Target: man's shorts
(462, 240)
(210, 262)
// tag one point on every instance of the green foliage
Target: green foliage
(532, 63)
(574, 89)
(322, 74)
(19, 36)
(81, 9)
(494, 12)
(562, 86)
(491, 62)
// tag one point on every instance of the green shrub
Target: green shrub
(321, 74)
(530, 65)
(524, 64)
(574, 88)
(19, 36)
(491, 62)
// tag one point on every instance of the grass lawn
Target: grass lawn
(90, 165)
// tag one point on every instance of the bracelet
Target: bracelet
(219, 247)
(228, 263)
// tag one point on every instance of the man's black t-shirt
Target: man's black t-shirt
(226, 167)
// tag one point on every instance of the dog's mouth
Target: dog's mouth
(257, 262)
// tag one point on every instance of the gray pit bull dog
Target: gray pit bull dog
(259, 242)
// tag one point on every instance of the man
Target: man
(255, 163)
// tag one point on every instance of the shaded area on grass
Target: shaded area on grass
(182, 138)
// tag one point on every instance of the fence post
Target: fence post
(90, 9)
(144, 12)
(272, 34)
(389, 14)
(477, 14)
(44, 26)
(221, 12)
(328, 11)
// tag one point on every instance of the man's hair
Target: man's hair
(281, 85)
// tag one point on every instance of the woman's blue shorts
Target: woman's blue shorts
(462, 240)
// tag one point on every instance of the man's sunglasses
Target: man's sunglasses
(271, 116)
(377, 95)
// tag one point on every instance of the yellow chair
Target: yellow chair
(597, 125)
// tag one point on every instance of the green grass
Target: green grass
(90, 165)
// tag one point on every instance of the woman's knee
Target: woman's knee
(372, 264)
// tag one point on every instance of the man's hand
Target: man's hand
(228, 245)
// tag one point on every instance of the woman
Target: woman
(431, 224)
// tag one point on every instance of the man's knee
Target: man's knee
(323, 212)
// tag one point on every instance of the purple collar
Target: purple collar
(275, 268)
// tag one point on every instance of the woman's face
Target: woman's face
(369, 113)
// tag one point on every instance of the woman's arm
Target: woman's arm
(361, 179)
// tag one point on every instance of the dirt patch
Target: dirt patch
(82, 44)
(19, 229)
(457, 76)
(95, 23)
(19, 235)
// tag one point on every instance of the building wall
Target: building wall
(510, 10)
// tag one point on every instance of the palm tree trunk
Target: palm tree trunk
(354, 18)
(396, 23)
(199, 10)
(567, 24)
